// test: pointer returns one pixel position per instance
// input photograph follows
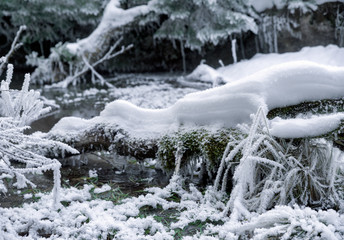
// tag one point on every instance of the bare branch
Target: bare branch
(109, 55)
(15, 46)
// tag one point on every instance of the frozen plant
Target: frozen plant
(285, 222)
(19, 152)
(269, 171)
(312, 171)
(259, 169)
(16, 161)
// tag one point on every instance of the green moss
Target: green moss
(195, 143)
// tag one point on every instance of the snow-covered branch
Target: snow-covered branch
(70, 61)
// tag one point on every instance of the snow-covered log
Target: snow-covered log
(224, 107)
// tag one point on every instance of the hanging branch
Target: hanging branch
(15, 45)
(109, 55)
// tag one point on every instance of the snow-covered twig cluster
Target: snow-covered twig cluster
(257, 172)
(22, 106)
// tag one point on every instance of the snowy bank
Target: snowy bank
(330, 55)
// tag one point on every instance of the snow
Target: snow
(153, 94)
(305, 127)
(92, 173)
(87, 218)
(330, 55)
(275, 80)
(205, 73)
(104, 188)
(262, 5)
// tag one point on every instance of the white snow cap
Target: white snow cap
(205, 73)
(305, 127)
(262, 5)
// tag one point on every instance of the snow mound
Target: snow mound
(226, 106)
(205, 73)
(330, 55)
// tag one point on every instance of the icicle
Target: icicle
(57, 184)
(178, 157)
(182, 50)
(339, 28)
(242, 47)
(274, 24)
(234, 55)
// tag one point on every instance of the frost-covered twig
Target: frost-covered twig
(22, 106)
(15, 45)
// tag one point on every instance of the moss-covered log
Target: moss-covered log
(200, 142)
(192, 143)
